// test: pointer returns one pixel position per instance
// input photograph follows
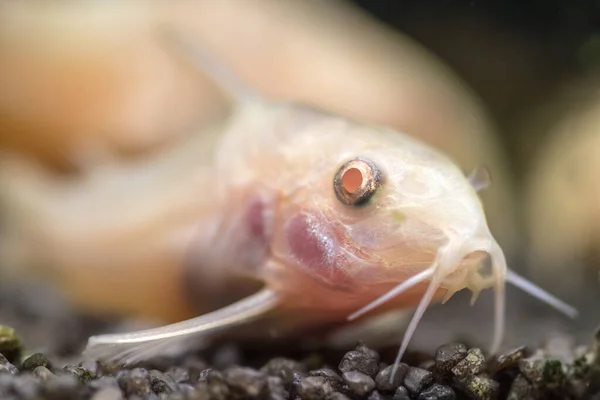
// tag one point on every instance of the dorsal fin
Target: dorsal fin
(480, 178)
(198, 57)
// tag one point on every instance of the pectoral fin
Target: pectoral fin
(480, 178)
(198, 57)
(129, 348)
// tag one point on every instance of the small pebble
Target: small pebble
(417, 379)
(10, 345)
(79, 372)
(36, 360)
(43, 373)
(314, 388)
(332, 377)
(135, 382)
(245, 382)
(509, 359)
(362, 360)
(520, 389)
(437, 392)
(63, 387)
(532, 368)
(162, 383)
(480, 388)
(204, 374)
(217, 388)
(447, 356)
(359, 383)
(401, 394)
(296, 380)
(554, 374)
(383, 378)
(276, 389)
(6, 367)
(283, 368)
(582, 364)
(109, 393)
(470, 365)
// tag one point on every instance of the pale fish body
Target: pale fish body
(328, 215)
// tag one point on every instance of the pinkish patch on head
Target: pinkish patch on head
(314, 246)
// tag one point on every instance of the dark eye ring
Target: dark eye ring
(357, 181)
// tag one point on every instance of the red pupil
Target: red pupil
(352, 180)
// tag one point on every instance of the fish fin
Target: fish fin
(130, 348)
(198, 57)
(480, 178)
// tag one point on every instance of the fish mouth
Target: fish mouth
(475, 265)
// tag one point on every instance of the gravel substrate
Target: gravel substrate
(453, 372)
(40, 360)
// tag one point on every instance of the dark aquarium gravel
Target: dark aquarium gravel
(453, 372)
(41, 343)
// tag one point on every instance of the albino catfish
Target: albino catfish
(333, 217)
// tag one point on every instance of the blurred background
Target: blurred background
(87, 94)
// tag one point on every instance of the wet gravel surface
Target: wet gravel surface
(453, 372)
(52, 368)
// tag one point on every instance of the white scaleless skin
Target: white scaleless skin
(277, 202)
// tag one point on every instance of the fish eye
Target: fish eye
(356, 181)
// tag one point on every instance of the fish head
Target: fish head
(373, 207)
